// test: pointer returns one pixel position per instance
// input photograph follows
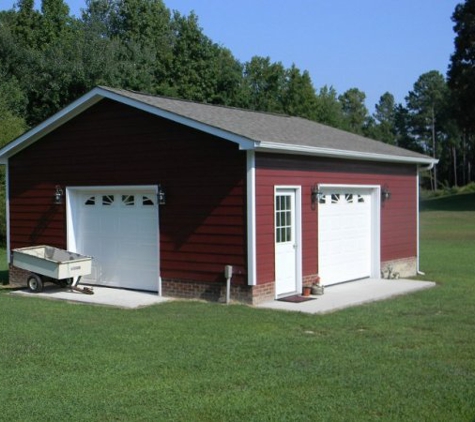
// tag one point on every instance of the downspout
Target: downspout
(251, 218)
(428, 168)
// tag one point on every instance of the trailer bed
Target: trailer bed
(47, 263)
(52, 262)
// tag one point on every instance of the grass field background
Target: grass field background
(406, 359)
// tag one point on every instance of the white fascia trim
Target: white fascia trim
(244, 143)
(50, 124)
(251, 219)
(335, 153)
(96, 95)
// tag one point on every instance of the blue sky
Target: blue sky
(373, 45)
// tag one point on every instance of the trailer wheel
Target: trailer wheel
(35, 283)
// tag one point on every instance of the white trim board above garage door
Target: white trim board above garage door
(348, 233)
(118, 227)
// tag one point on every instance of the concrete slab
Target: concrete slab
(335, 298)
(353, 293)
(129, 299)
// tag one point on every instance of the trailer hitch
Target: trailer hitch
(85, 290)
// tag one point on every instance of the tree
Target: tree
(461, 73)
(385, 115)
(403, 130)
(226, 72)
(427, 103)
(461, 81)
(354, 109)
(55, 21)
(12, 125)
(26, 24)
(328, 108)
(298, 97)
(194, 66)
(99, 18)
(144, 21)
(264, 84)
(143, 28)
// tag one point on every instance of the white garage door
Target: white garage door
(119, 229)
(344, 235)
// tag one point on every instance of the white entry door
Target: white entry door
(286, 243)
(119, 229)
(344, 235)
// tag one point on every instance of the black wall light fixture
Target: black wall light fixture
(385, 193)
(58, 195)
(162, 199)
(316, 194)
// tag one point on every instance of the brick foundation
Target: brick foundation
(17, 277)
(216, 292)
(310, 280)
(262, 293)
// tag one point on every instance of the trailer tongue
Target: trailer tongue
(50, 264)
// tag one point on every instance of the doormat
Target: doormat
(296, 299)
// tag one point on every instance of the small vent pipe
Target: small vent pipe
(228, 274)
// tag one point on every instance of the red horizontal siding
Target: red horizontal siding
(203, 224)
(398, 215)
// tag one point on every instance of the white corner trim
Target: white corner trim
(251, 219)
(7, 210)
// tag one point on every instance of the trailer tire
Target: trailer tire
(35, 283)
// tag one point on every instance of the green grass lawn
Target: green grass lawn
(407, 359)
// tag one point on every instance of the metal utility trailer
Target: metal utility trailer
(47, 263)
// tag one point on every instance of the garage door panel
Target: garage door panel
(344, 225)
(119, 229)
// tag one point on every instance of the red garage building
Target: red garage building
(164, 193)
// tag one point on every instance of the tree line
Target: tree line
(50, 58)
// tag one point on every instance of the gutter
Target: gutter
(343, 154)
(430, 166)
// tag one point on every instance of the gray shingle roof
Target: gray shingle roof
(249, 129)
(272, 130)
